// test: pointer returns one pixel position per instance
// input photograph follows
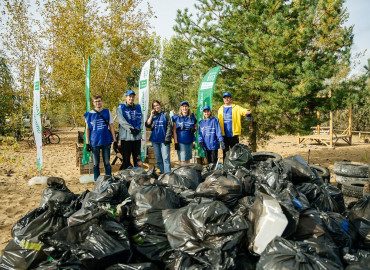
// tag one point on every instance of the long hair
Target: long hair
(155, 101)
(180, 112)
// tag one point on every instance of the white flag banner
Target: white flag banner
(144, 103)
(36, 117)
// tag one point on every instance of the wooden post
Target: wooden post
(331, 124)
(318, 126)
(350, 124)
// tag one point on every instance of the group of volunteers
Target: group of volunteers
(213, 133)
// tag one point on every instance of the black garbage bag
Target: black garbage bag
(244, 205)
(139, 173)
(248, 180)
(301, 172)
(107, 189)
(186, 194)
(26, 249)
(359, 216)
(340, 229)
(284, 254)
(207, 230)
(187, 175)
(310, 190)
(329, 199)
(150, 244)
(292, 195)
(312, 229)
(238, 156)
(75, 205)
(97, 243)
(288, 207)
(67, 262)
(354, 256)
(148, 203)
(208, 170)
(363, 263)
(56, 191)
(133, 266)
(26, 219)
(222, 186)
(275, 174)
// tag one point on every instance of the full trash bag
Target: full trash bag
(26, 219)
(248, 179)
(56, 191)
(207, 230)
(238, 156)
(284, 254)
(187, 175)
(133, 266)
(329, 199)
(223, 186)
(301, 172)
(359, 215)
(26, 249)
(67, 262)
(292, 195)
(97, 243)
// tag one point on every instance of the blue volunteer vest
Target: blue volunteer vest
(183, 126)
(159, 132)
(228, 121)
(210, 132)
(99, 132)
(132, 116)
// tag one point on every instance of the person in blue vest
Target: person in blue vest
(184, 126)
(161, 126)
(100, 135)
(130, 125)
(210, 135)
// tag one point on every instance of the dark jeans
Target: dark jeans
(96, 159)
(229, 143)
(129, 148)
(211, 156)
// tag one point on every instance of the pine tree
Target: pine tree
(275, 55)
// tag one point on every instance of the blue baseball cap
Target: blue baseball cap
(206, 108)
(184, 102)
(130, 92)
(226, 94)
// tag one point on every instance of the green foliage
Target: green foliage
(276, 55)
(10, 157)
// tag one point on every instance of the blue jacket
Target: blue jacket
(161, 127)
(183, 128)
(99, 132)
(210, 133)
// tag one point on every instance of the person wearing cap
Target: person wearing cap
(210, 135)
(161, 126)
(130, 125)
(230, 116)
(100, 135)
(184, 126)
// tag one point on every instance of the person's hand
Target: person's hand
(137, 131)
(177, 146)
(250, 117)
(193, 130)
(167, 142)
(88, 147)
(115, 146)
(152, 113)
(222, 145)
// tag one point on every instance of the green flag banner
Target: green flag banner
(144, 103)
(86, 154)
(36, 117)
(205, 96)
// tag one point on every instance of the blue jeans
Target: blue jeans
(162, 155)
(106, 159)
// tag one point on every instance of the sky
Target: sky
(166, 10)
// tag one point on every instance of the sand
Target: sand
(18, 198)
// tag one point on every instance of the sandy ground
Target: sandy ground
(18, 198)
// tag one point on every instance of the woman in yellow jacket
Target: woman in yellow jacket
(229, 116)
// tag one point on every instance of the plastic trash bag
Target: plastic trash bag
(244, 205)
(292, 195)
(329, 199)
(301, 172)
(97, 243)
(310, 190)
(283, 254)
(205, 229)
(238, 156)
(26, 250)
(248, 180)
(26, 219)
(67, 262)
(353, 256)
(187, 175)
(56, 191)
(148, 203)
(133, 266)
(75, 205)
(363, 263)
(222, 186)
(359, 215)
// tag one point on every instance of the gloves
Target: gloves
(167, 142)
(250, 117)
(177, 146)
(135, 131)
(115, 147)
(88, 147)
(222, 145)
(201, 145)
(193, 130)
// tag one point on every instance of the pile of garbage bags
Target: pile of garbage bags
(258, 211)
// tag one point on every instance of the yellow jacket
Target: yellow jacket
(237, 113)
